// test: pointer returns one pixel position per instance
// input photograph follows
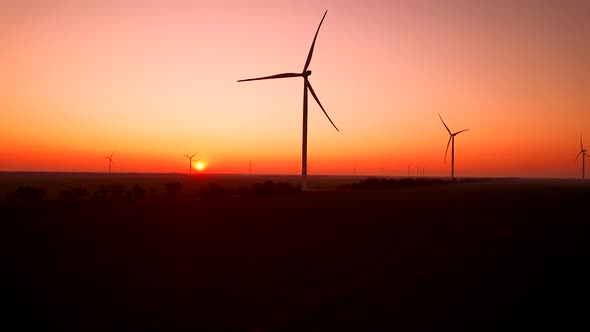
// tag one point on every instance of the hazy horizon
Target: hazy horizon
(156, 81)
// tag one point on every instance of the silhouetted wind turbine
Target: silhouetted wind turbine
(584, 155)
(250, 166)
(190, 162)
(306, 86)
(451, 138)
(111, 162)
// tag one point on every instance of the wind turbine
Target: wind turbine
(584, 155)
(111, 162)
(250, 166)
(451, 138)
(190, 162)
(306, 86)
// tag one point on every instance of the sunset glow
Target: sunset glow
(151, 81)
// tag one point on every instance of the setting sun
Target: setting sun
(200, 166)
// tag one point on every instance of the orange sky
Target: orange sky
(152, 82)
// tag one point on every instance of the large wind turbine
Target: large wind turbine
(306, 86)
(190, 162)
(111, 162)
(451, 139)
(584, 155)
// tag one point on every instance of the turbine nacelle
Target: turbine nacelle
(306, 73)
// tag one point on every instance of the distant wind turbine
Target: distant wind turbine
(306, 86)
(451, 138)
(190, 162)
(584, 155)
(111, 162)
(250, 166)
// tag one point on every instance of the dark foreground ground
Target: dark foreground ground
(463, 256)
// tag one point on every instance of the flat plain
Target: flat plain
(485, 254)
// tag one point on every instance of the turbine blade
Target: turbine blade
(112, 154)
(112, 162)
(447, 150)
(581, 144)
(445, 124)
(318, 101)
(284, 75)
(185, 155)
(313, 44)
(198, 159)
(194, 154)
(460, 131)
(580, 154)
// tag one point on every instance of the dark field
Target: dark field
(489, 255)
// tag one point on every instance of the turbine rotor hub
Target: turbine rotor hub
(307, 73)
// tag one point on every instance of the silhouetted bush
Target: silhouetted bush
(29, 194)
(383, 183)
(213, 190)
(116, 189)
(137, 192)
(101, 192)
(285, 188)
(76, 193)
(79, 193)
(173, 188)
(269, 188)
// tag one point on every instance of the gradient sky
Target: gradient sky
(156, 79)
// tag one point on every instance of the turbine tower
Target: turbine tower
(111, 162)
(451, 139)
(584, 155)
(250, 166)
(306, 86)
(190, 162)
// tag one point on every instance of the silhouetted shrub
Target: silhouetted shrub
(101, 192)
(285, 188)
(255, 189)
(116, 189)
(173, 188)
(77, 193)
(382, 183)
(29, 194)
(269, 188)
(137, 192)
(213, 190)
